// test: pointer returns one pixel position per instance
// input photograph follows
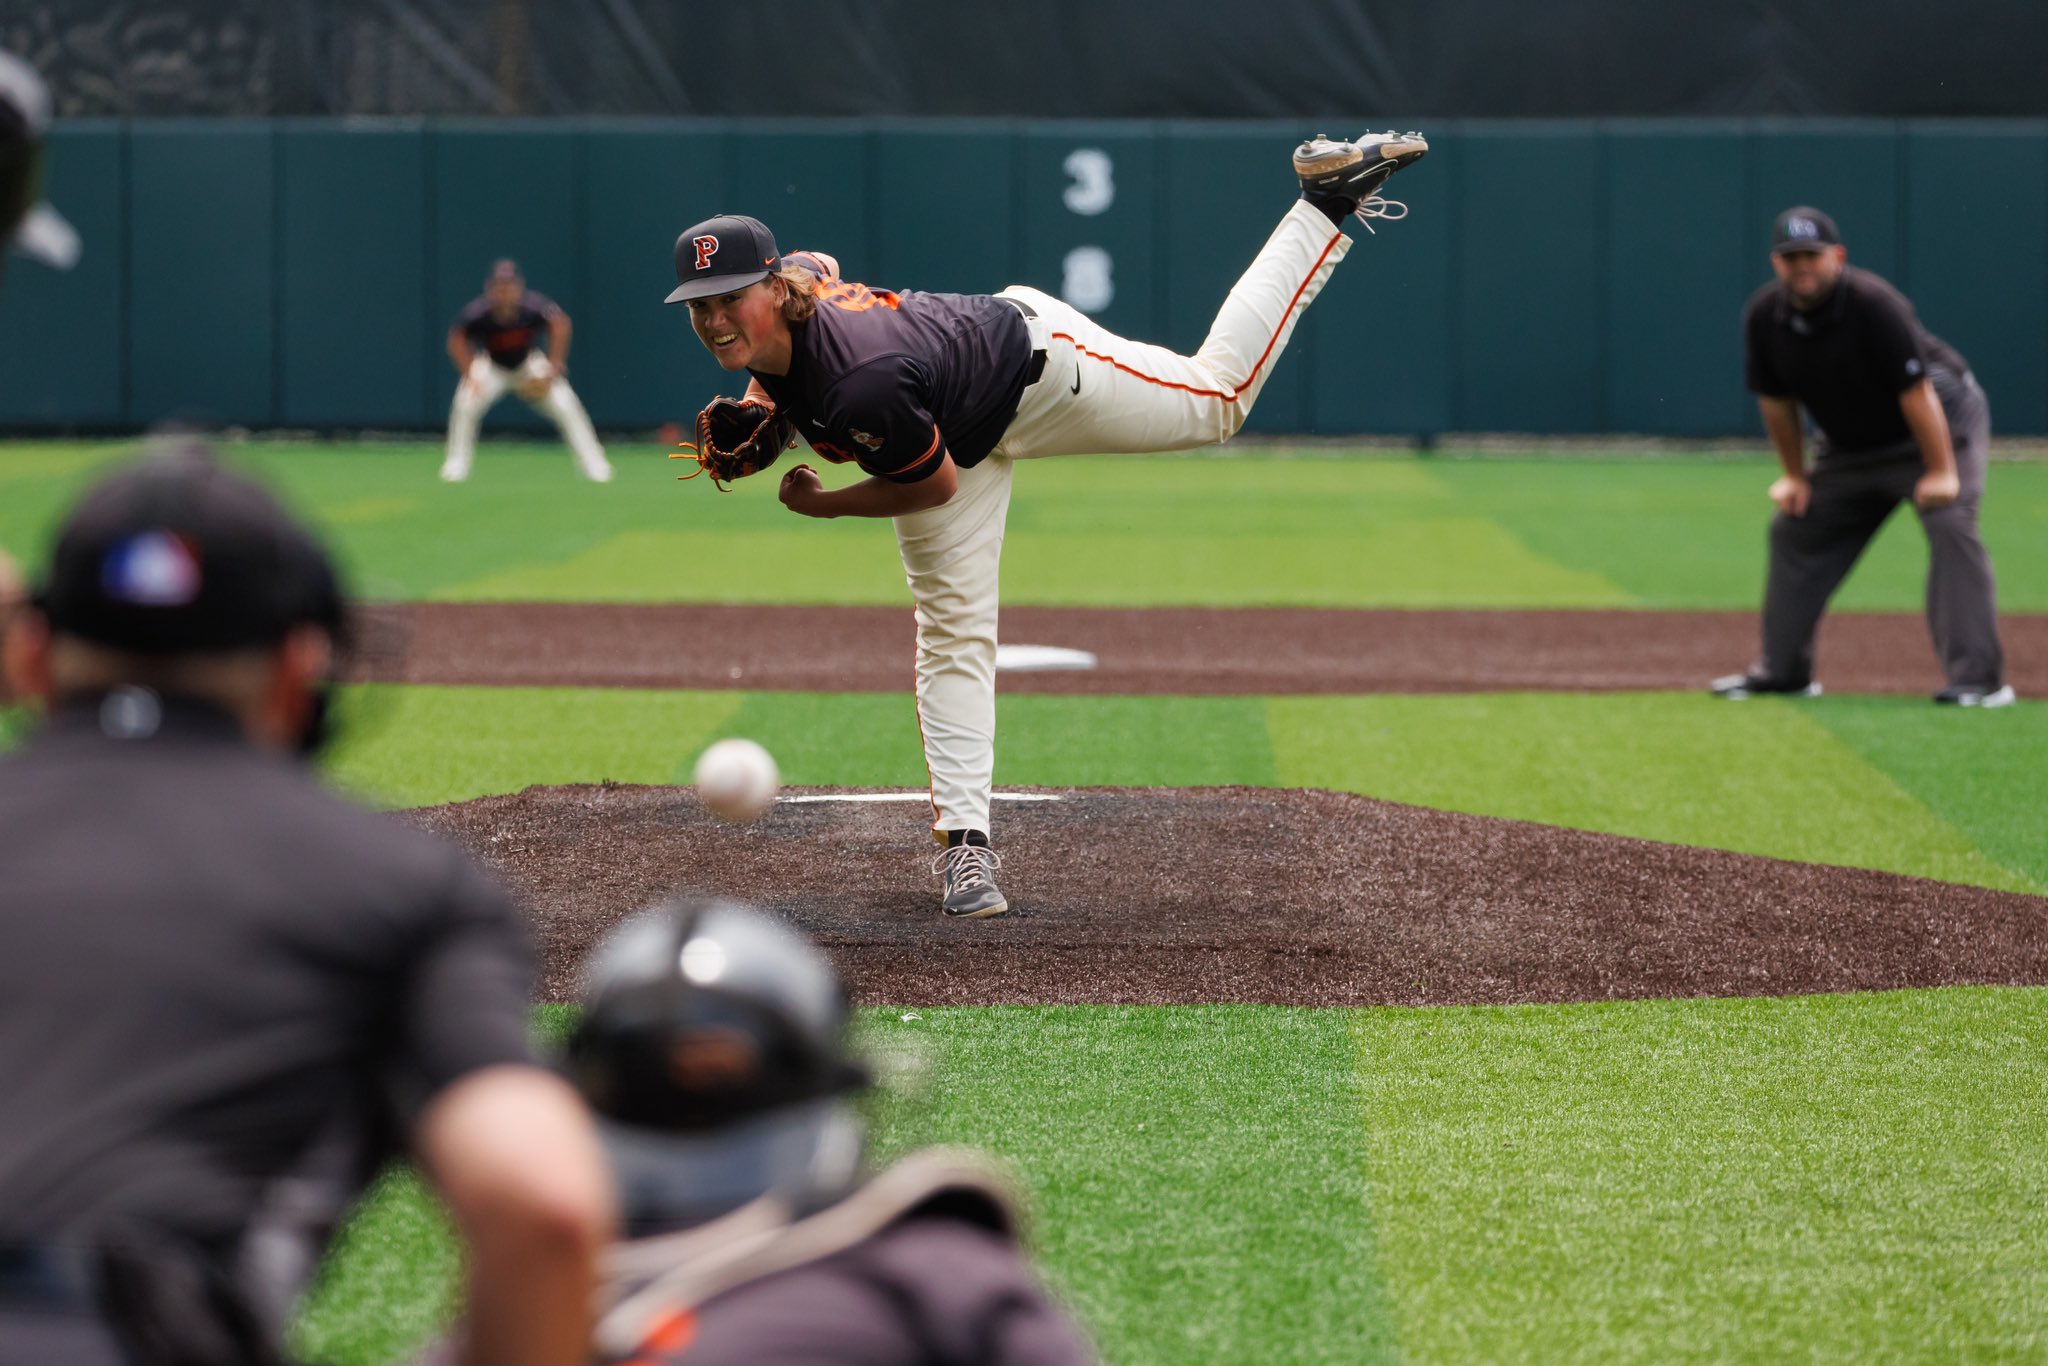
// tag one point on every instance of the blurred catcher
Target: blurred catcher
(713, 1048)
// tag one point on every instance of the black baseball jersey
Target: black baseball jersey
(927, 1290)
(1846, 361)
(892, 382)
(509, 343)
(919, 1264)
(215, 974)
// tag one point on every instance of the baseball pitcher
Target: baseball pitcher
(937, 396)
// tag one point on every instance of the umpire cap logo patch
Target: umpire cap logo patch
(152, 569)
(707, 247)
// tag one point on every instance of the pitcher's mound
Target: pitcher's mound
(1161, 895)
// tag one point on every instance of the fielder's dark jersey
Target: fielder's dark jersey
(893, 382)
(214, 972)
(1846, 361)
(509, 343)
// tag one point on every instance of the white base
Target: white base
(1042, 657)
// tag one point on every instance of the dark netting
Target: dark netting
(1080, 58)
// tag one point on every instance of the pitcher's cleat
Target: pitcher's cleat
(969, 870)
(1336, 174)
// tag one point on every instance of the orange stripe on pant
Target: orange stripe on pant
(1231, 396)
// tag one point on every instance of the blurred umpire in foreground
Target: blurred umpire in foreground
(1900, 419)
(28, 226)
(227, 996)
(713, 1047)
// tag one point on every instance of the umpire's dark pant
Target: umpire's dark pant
(47, 1317)
(1811, 555)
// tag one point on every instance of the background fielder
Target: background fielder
(936, 396)
(494, 345)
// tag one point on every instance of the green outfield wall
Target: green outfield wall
(1568, 277)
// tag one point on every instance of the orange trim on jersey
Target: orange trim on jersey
(671, 1333)
(936, 448)
(854, 298)
(1257, 365)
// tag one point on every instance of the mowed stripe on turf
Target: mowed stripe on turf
(1763, 778)
(1264, 524)
(1842, 1178)
(1834, 1178)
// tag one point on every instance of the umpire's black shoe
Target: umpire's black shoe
(1736, 687)
(1354, 171)
(969, 867)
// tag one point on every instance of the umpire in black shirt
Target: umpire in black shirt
(226, 996)
(1898, 417)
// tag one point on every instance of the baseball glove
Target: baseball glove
(736, 437)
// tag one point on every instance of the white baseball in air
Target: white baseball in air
(737, 779)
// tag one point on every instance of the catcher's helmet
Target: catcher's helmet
(703, 1013)
(712, 1047)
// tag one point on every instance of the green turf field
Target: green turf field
(1309, 527)
(1834, 1178)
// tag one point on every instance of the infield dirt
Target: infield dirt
(1155, 896)
(1217, 894)
(1150, 650)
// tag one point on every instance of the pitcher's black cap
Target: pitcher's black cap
(722, 254)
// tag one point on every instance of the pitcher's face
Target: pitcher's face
(745, 330)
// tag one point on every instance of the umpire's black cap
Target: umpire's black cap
(722, 254)
(177, 554)
(1803, 228)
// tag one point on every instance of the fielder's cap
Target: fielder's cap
(177, 554)
(722, 254)
(1803, 229)
(28, 224)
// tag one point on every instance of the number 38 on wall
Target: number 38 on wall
(1086, 275)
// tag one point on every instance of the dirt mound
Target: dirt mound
(1179, 650)
(1142, 895)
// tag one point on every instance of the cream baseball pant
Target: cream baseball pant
(1099, 393)
(488, 382)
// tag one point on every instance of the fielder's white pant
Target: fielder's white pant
(1099, 393)
(487, 382)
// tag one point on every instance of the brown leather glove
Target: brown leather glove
(736, 437)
